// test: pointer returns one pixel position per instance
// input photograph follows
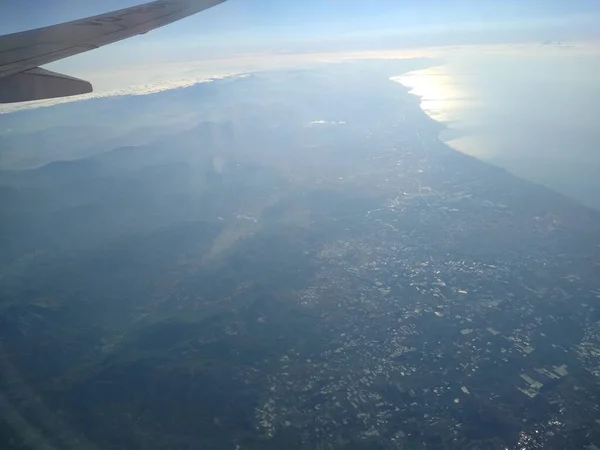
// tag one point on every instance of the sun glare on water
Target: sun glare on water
(439, 93)
(446, 97)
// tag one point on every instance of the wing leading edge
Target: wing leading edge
(22, 53)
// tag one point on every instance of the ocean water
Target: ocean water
(534, 111)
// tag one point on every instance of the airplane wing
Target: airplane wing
(21, 54)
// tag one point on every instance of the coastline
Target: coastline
(475, 125)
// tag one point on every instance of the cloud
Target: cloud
(142, 89)
(326, 122)
(145, 79)
(158, 77)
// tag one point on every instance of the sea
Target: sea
(533, 110)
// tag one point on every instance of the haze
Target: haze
(523, 106)
(252, 236)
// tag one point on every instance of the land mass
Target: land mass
(310, 267)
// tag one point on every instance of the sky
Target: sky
(307, 15)
(302, 26)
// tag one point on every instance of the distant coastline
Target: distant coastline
(515, 126)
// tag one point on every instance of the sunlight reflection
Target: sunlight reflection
(440, 94)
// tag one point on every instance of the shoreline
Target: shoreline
(558, 174)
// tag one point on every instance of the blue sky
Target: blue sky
(277, 16)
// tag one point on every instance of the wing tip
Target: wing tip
(40, 84)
